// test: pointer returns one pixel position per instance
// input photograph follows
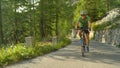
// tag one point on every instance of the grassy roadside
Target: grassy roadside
(16, 53)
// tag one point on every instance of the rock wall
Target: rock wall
(110, 36)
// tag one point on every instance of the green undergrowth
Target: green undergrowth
(15, 53)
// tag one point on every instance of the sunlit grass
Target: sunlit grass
(16, 53)
(43, 43)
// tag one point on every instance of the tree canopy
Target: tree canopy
(44, 19)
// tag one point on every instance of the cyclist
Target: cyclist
(84, 25)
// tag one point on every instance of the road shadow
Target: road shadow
(100, 53)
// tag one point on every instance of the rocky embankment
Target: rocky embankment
(110, 35)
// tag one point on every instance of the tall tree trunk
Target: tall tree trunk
(41, 24)
(1, 32)
(15, 25)
(31, 23)
(42, 32)
(57, 19)
(15, 29)
(34, 33)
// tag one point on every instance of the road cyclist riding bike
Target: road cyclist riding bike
(83, 29)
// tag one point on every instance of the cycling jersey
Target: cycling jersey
(83, 22)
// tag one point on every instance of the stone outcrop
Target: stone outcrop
(110, 36)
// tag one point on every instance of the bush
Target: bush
(118, 45)
(15, 53)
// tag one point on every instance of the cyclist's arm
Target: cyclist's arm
(89, 24)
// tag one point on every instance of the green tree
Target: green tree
(1, 31)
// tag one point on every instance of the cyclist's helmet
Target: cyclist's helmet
(82, 13)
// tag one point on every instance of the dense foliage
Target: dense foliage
(41, 19)
(96, 9)
(44, 19)
(18, 52)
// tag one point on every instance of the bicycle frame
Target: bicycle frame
(83, 37)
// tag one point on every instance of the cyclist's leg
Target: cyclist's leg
(87, 40)
(82, 45)
(80, 33)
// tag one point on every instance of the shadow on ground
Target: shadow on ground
(100, 53)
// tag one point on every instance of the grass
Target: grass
(15, 53)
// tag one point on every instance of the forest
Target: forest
(43, 19)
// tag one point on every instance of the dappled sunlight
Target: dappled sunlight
(44, 43)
